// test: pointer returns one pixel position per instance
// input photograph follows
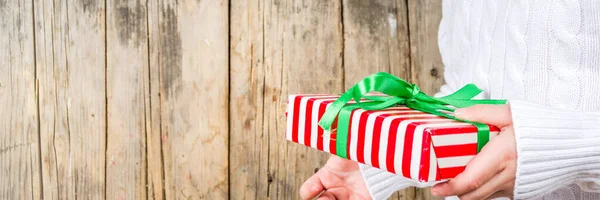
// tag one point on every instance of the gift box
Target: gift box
(415, 144)
(400, 140)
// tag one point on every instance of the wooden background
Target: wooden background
(185, 99)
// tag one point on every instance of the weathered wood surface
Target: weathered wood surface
(185, 99)
(193, 67)
(19, 142)
(376, 39)
(154, 139)
(249, 134)
(426, 64)
(51, 81)
(127, 65)
(303, 55)
(72, 97)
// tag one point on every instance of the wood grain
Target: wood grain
(50, 41)
(45, 16)
(303, 54)
(426, 62)
(185, 99)
(154, 141)
(85, 98)
(127, 65)
(20, 176)
(248, 137)
(193, 60)
(375, 39)
(72, 95)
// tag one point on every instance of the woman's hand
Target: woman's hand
(338, 179)
(491, 173)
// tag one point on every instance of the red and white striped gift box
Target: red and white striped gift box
(400, 140)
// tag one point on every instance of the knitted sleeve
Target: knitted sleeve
(555, 148)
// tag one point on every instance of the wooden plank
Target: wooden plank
(19, 142)
(156, 189)
(86, 97)
(376, 39)
(248, 137)
(50, 19)
(44, 17)
(302, 54)
(193, 60)
(127, 85)
(427, 67)
(71, 73)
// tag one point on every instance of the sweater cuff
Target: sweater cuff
(555, 148)
(382, 184)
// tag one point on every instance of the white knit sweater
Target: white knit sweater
(544, 57)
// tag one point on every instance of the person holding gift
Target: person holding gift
(542, 57)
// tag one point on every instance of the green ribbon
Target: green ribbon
(400, 92)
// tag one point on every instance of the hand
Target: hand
(491, 173)
(340, 178)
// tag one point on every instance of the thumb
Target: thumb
(312, 187)
(497, 115)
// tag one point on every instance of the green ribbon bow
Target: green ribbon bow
(400, 93)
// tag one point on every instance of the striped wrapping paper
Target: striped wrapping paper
(400, 140)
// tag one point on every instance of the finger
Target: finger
(340, 193)
(497, 183)
(338, 164)
(497, 115)
(479, 170)
(326, 196)
(311, 187)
